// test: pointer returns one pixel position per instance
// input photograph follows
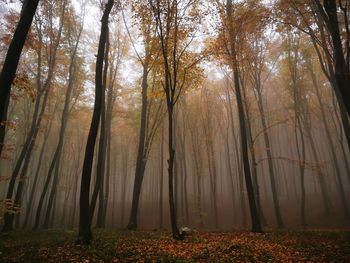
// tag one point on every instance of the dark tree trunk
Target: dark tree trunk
(13, 55)
(85, 235)
(171, 150)
(341, 69)
(253, 160)
(141, 154)
(256, 225)
(101, 156)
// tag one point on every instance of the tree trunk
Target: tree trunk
(141, 154)
(171, 151)
(269, 160)
(161, 172)
(101, 155)
(341, 71)
(85, 235)
(256, 225)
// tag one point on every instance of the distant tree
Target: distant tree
(73, 39)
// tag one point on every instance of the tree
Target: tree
(231, 41)
(53, 172)
(329, 13)
(257, 60)
(174, 20)
(13, 55)
(23, 160)
(322, 23)
(148, 127)
(118, 48)
(85, 235)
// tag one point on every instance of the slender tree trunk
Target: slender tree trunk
(101, 156)
(213, 181)
(171, 150)
(238, 162)
(229, 168)
(85, 235)
(269, 160)
(185, 174)
(108, 159)
(161, 173)
(256, 225)
(125, 172)
(64, 119)
(302, 158)
(320, 175)
(197, 176)
(253, 158)
(141, 154)
(32, 192)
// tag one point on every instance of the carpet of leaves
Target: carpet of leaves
(155, 246)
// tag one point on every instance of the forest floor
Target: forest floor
(156, 246)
